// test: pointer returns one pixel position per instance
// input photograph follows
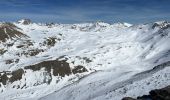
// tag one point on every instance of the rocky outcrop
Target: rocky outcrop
(157, 94)
(25, 21)
(128, 98)
(56, 68)
(50, 41)
(29, 53)
(161, 25)
(10, 77)
(9, 31)
(2, 51)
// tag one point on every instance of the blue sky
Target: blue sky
(77, 11)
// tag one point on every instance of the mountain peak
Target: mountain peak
(25, 21)
(161, 24)
(120, 24)
(9, 31)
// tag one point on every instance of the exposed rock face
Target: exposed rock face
(59, 68)
(25, 21)
(160, 94)
(50, 41)
(162, 25)
(11, 77)
(157, 94)
(79, 69)
(128, 98)
(48, 69)
(2, 51)
(32, 52)
(9, 31)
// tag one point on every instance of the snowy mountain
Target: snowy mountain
(89, 61)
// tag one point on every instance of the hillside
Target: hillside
(89, 61)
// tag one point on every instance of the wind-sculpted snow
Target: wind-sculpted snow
(100, 60)
(126, 85)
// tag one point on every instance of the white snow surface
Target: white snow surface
(117, 53)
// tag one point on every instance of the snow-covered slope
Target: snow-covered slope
(90, 61)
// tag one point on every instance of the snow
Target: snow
(117, 53)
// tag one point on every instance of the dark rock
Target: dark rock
(16, 75)
(161, 94)
(9, 61)
(79, 69)
(50, 24)
(4, 78)
(32, 52)
(2, 51)
(9, 31)
(157, 94)
(161, 25)
(25, 21)
(87, 60)
(144, 97)
(128, 98)
(50, 41)
(54, 67)
(60, 68)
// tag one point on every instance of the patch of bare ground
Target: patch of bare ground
(56, 67)
(59, 68)
(9, 31)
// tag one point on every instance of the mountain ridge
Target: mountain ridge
(97, 56)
